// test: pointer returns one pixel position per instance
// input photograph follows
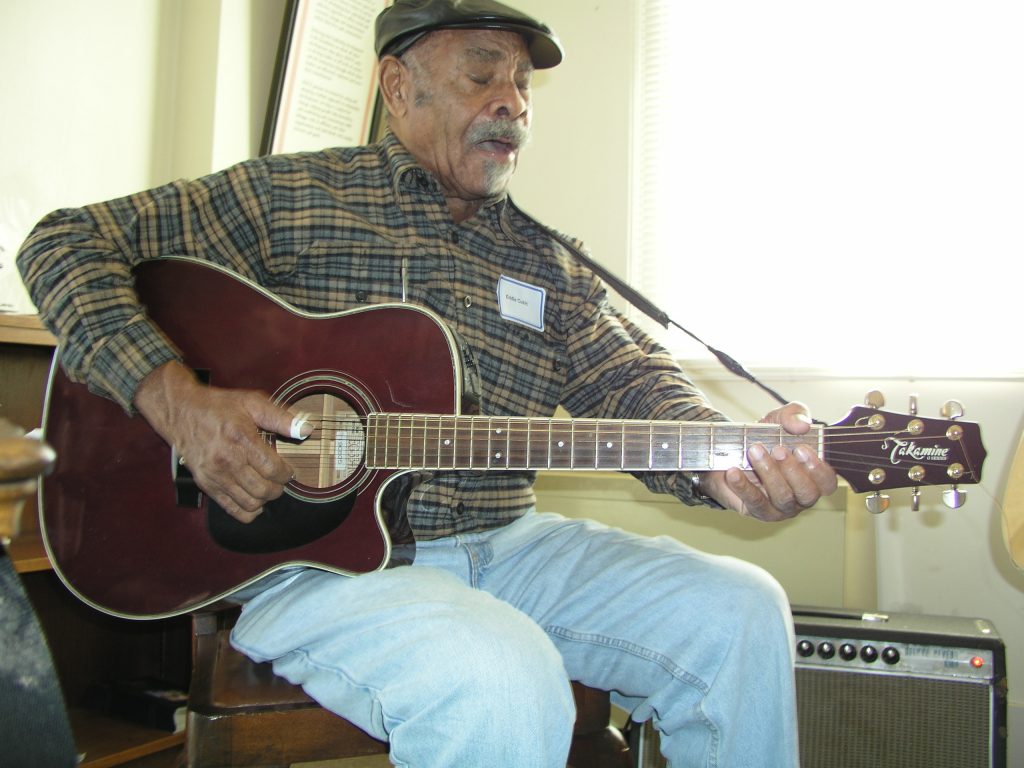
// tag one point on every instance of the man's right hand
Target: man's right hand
(217, 432)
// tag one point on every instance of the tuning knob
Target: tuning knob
(915, 500)
(876, 503)
(952, 409)
(874, 399)
(913, 405)
(953, 497)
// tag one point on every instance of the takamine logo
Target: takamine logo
(901, 450)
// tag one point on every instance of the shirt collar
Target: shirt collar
(408, 175)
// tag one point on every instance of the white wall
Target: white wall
(106, 97)
(575, 173)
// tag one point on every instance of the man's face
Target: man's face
(469, 111)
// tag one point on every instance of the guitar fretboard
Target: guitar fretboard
(427, 441)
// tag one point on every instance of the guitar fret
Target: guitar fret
(432, 442)
(387, 441)
(695, 446)
(426, 422)
(465, 431)
(711, 450)
(447, 446)
(664, 445)
(426, 441)
(746, 435)
(560, 440)
(410, 422)
(371, 440)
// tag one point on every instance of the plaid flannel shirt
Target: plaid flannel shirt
(328, 231)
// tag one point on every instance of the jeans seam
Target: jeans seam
(388, 722)
(660, 659)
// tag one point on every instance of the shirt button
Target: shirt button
(467, 301)
(361, 296)
(453, 237)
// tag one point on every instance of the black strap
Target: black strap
(645, 305)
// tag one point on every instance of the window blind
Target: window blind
(834, 185)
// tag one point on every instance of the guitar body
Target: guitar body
(124, 536)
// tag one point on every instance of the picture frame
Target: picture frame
(324, 88)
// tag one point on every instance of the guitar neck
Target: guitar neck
(427, 441)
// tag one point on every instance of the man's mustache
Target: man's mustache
(514, 133)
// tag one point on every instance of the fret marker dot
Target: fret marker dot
(497, 455)
(608, 444)
(561, 444)
(447, 442)
(664, 446)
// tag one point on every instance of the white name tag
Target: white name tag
(521, 302)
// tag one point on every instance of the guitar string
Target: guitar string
(517, 440)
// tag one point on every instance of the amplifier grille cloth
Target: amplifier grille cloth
(854, 720)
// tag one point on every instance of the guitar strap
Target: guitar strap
(649, 308)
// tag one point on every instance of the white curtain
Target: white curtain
(834, 185)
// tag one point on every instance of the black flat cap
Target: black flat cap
(402, 24)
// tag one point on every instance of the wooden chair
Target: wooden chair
(22, 461)
(241, 714)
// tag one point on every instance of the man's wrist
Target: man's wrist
(700, 495)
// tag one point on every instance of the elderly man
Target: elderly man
(462, 659)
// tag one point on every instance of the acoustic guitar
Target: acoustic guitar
(129, 533)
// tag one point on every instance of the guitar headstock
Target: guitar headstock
(875, 450)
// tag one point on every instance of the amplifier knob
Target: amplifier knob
(804, 648)
(847, 652)
(869, 654)
(826, 650)
(891, 655)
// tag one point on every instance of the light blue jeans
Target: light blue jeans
(463, 659)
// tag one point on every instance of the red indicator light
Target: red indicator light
(977, 662)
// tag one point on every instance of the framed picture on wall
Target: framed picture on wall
(324, 91)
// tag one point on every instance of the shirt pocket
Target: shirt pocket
(337, 276)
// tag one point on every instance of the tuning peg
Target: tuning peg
(913, 405)
(874, 399)
(877, 503)
(953, 497)
(952, 409)
(915, 500)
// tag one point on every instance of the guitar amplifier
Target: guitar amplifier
(890, 691)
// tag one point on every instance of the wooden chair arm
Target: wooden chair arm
(22, 461)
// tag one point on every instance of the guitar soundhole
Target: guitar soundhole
(331, 456)
(329, 471)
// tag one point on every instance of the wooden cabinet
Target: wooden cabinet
(90, 649)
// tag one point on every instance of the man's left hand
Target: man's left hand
(782, 482)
